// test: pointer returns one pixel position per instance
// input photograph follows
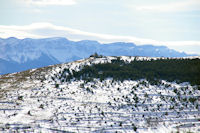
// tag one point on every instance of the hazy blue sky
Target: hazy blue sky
(175, 23)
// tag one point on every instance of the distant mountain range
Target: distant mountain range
(22, 54)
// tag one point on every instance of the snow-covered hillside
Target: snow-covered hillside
(39, 100)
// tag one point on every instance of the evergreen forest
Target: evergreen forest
(179, 70)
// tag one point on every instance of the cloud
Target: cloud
(44, 30)
(37, 10)
(171, 7)
(50, 2)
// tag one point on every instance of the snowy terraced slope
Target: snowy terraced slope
(48, 104)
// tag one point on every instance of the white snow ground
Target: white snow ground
(35, 105)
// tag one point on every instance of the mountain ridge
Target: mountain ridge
(22, 51)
